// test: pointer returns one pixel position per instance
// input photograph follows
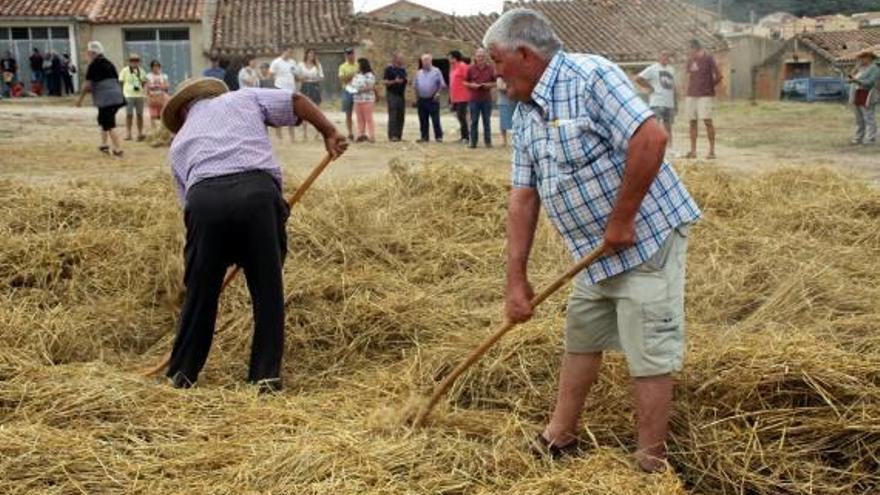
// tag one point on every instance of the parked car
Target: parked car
(811, 89)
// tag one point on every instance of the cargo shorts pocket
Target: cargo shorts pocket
(662, 328)
(657, 261)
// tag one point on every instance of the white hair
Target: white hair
(96, 47)
(523, 28)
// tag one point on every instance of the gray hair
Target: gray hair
(96, 47)
(523, 28)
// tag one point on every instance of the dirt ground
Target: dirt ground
(53, 141)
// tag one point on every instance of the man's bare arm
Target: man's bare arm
(643, 161)
(641, 81)
(522, 219)
(309, 112)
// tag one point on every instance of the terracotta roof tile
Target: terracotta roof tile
(266, 26)
(472, 27)
(125, 11)
(45, 8)
(623, 30)
(840, 46)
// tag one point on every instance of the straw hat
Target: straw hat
(189, 91)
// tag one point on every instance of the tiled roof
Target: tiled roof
(266, 26)
(840, 46)
(623, 30)
(45, 8)
(382, 11)
(129, 11)
(107, 11)
(472, 27)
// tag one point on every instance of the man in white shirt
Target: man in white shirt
(284, 69)
(659, 80)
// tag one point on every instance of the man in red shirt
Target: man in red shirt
(703, 78)
(480, 81)
(458, 93)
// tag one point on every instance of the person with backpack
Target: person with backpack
(134, 80)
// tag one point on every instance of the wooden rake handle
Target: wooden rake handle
(294, 199)
(487, 344)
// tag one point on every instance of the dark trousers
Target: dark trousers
(396, 115)
(68, 83)
(429, 108)
(461, 113)
(234, 219)
(481, 109)
(55, 84)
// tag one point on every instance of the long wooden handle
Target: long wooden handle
(294, 199)
(487, 344)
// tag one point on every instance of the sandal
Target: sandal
(541, 447)
(141, 138)
(691, 155)
(104, 149)
(117, 153)
(710, 156)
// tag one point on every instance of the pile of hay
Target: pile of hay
(390, 283)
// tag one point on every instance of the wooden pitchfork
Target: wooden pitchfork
(297, 195)
(487, 344)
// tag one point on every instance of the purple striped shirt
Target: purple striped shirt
(227, 135)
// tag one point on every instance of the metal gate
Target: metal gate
(171, 47)
(21, 41)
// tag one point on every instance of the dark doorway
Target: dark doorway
(796, 70)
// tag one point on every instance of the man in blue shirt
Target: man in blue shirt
(429, 81)
(215, 70)
(589, 150)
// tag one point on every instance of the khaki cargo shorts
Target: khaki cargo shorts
(639, 312)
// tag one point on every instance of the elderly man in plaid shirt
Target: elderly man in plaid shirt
(589, 150)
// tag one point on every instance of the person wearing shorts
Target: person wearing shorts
(623, 200)
(102, 83)
(659, 80)
(703, 77)
(134, 81)
(347, 71)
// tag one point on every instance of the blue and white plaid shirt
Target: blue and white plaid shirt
(570, 143)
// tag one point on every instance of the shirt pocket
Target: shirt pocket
(570, 150)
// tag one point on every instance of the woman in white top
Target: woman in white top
(310, 75)
(248, 77)
(364, 83)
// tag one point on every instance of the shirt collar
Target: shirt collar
(542, 95)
